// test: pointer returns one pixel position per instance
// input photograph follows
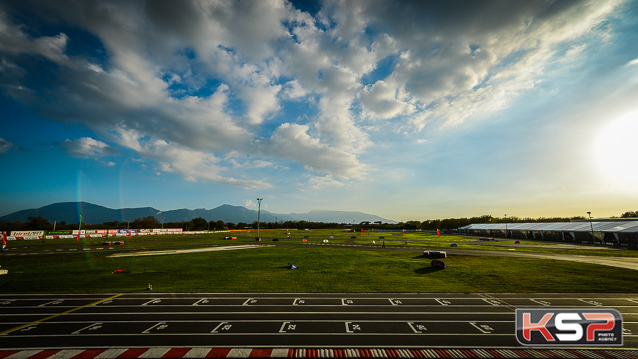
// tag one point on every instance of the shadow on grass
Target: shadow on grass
(427, 270)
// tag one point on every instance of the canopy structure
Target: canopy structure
(624, 233)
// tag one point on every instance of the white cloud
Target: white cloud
(573, 53)
(261, 101)
(380, 101)
(293, 90)
(193, 165)
(292, 141)
(186, 83)
(14, 41)
(250, 164)
(5, 146)
(633, 62)
(249, 203)
(86, 147)
(324, 182)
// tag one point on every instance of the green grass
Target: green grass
(413, 239)
(321, 269)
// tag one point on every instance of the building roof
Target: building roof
(612, 226)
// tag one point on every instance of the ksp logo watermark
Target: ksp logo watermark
(571, 327)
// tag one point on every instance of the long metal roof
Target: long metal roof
(607, 226)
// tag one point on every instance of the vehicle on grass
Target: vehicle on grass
(434, 254)
(110, 243)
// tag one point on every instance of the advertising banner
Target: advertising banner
(27, 233)
(58, 233)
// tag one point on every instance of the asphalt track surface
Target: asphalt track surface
(433, 320)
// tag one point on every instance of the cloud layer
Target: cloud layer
(192, 86)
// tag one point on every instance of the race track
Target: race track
(207, 321)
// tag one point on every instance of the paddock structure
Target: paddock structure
(608, 232)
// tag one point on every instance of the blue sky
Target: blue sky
(409, 110)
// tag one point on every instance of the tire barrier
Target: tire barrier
(438, 264)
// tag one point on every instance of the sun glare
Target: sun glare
(616, 151)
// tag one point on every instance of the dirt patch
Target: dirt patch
(182, 251)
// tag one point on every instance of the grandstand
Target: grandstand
(618, 232)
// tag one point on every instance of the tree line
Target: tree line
(201, 224)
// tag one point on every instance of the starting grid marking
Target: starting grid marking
(206, 352)
(266, 327)
(297, 327)
(333, 302)
(495, 324)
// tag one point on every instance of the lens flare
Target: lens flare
(616, 152)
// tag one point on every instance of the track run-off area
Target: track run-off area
(619, 262)
(152, 324)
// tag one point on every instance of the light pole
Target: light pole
(592, 228)
(158, 213)
(258, 216)
(505, 225)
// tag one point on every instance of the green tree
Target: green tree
(39, 223)
(198, 224)
(219, 225)
(146, 223)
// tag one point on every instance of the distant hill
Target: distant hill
(338, 217)
(69, 212)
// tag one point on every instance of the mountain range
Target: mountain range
(69, 212)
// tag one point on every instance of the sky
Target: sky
(409, 110)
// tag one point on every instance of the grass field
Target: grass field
(412, 239)
(321, 269)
